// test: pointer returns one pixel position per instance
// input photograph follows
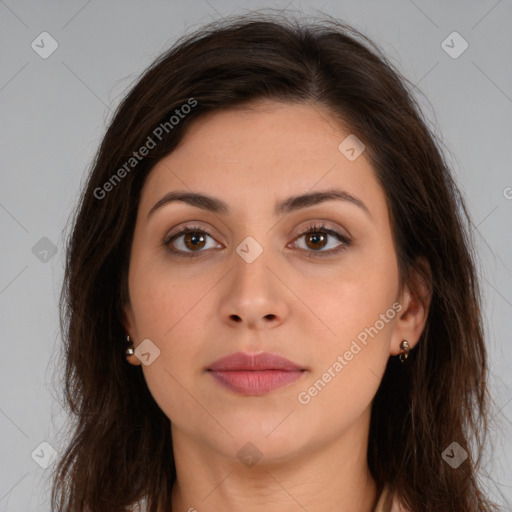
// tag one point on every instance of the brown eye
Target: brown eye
(195, 240)
(319, 240)
(316, 241)
(191, 241)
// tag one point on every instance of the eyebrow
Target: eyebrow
(293, 203)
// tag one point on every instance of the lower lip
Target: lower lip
(255, 382)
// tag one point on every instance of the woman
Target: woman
(270, 300)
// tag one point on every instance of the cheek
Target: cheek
(162, 298)
(357, 318)
(169, 322)
(346, 302)
(173, 317)
(334, 400)
(348, 370)
(170, 390)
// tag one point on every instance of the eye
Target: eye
(193, 240)
(319, 237)
(190, 240)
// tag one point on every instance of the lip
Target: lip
(254, 374)
(262, 361)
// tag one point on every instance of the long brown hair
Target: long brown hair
(121, 448)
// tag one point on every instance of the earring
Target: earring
(404, 354)
(129, 350)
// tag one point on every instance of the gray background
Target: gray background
(53, 115)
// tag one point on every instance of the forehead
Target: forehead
(262, 153)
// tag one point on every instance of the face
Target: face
(251, 279)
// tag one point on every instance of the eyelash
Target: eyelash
(315, 228)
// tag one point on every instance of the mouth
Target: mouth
(255, 375)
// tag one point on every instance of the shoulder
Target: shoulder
(140, 506)
(385, 499)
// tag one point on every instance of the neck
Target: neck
(329, 476)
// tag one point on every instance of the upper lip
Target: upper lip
(263, 361)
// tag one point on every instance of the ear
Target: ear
(415, 299)
(128, 323)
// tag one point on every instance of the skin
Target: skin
(289, 300)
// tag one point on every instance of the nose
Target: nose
(254, 296)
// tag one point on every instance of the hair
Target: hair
(121, 447)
